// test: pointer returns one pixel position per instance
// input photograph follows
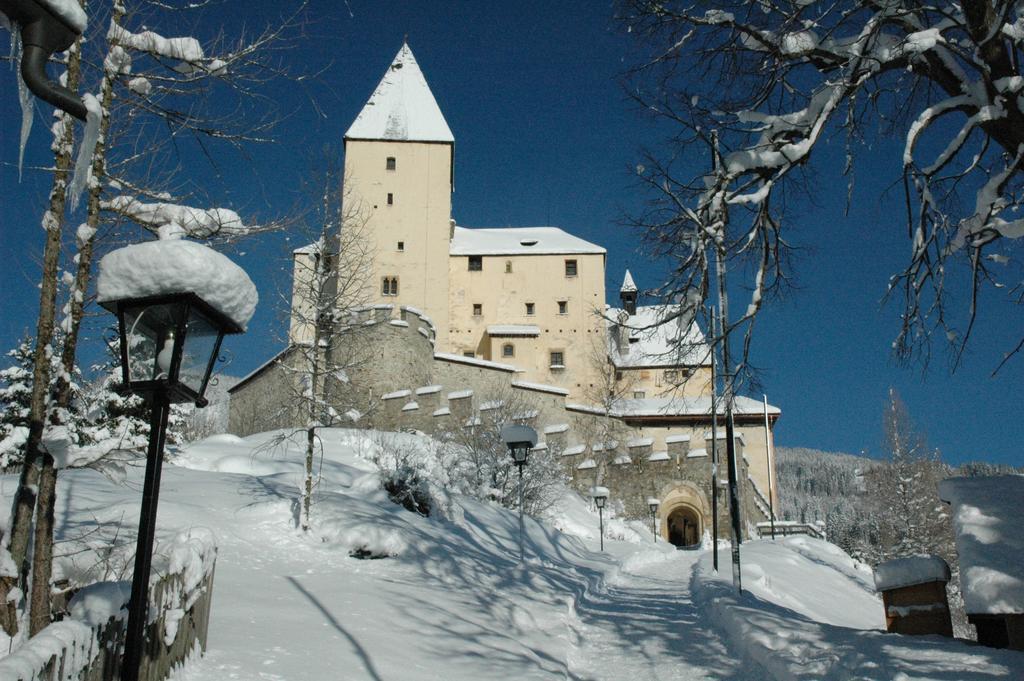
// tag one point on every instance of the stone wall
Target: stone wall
(418, 389)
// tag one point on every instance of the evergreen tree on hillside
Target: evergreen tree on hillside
(15, 393)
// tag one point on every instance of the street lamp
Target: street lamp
(520, 440)
(652, 503)
(171, 319)
(600, 495)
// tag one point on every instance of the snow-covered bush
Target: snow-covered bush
(477, 463)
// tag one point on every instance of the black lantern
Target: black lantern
(520, 440)
(653, 503)
(169, 344)
(600, 496)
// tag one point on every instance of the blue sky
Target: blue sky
(544, 135)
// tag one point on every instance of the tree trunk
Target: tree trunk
(307, 495)
(53, 223)
(42, 553)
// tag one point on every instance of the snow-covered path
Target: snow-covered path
(646, 626)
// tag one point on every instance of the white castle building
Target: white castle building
(457, 311)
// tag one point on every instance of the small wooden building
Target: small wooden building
(914, 595)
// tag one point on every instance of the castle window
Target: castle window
(672, 376)
(529, 309)
(618, 375)
(508, 350)
(557, 359)
(478, 309)
(508, 266)
(391, 199)
(476, 263)
(639, 394)
(469, 353)
(389, 286)
(401, 245)
(570, 268)
(391, 163)
(563, 307)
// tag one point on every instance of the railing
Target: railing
(80, 650)
(784, 528)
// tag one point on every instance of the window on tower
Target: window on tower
(529, 309)
(389, 286)
(478, 309)
(563, 307)
(557, 359)
(391, 163)
(570, 268)
(508, 350)
(476, 263)
(401, 245)
(391, 199)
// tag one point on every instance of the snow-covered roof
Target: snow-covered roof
(654, 338)
(540, 387)
(402, 108)
(910, 571)
(987, 514)
(628, 286)
(658, 456)
(513, 330)
(686, 406)
(519, 241)
(173, 265)
(556, 428)
(574, 450)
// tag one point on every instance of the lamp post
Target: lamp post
(600, 495)
(520, 440)
(653, 503)
(169, 343)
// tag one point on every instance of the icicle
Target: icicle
(24, 96)
(83, 162)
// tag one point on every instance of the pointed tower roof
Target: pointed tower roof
(627, 284)
(402, 108)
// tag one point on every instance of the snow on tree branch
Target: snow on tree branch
(777, 77)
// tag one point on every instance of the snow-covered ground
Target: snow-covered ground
(452, 603)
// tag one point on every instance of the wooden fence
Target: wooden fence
(72, 651)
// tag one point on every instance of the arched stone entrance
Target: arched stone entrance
(683, 514)
(684, 526)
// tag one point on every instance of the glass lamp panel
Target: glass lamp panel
(200, 345)
(149, 334)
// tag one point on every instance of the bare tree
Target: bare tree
(776, 78)
(328, 341)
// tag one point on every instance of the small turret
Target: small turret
(627, 294)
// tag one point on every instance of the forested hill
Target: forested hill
(836, 489)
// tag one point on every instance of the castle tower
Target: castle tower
(627, 294)
(398, 186)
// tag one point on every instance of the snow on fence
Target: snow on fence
(88, 646)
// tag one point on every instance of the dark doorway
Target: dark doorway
(684, 527)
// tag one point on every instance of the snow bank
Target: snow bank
(809, 612)
(901, 572)
(177, 266)
(987, 514)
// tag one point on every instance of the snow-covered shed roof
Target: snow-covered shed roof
(654, 338)
(402, 108)
(910, 571)
(987, 514)
(519, 241)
